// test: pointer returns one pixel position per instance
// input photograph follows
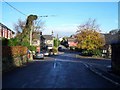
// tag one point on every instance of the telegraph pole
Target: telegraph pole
(57, 43)
(31, 35)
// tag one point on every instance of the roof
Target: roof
(6, 27)
(72, 40)
(111, 38)
(48, 37)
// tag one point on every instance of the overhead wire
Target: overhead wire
(24, 13)
(15, 8)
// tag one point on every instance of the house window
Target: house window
(3, 32)
(8, 34)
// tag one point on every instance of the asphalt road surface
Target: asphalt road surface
(62, 71)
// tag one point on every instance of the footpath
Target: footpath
(105, 72)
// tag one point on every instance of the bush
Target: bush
(32, 48)
(55, 50)
(87, 53)
(72, 48)
(13, 51)
(5, 42)
(13, 42)
(97, 52)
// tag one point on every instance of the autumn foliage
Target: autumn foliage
(13, 51)
(89, 37)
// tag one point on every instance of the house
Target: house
(5, 32)
(72, 42)
(38, 40)
(110, 38)
(48, 41)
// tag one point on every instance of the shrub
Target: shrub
(32, 48)
(5, 42)
(55, 50)
(13, 51)
(87, 53)
(72, 48)
(13, 42)
(97, 52)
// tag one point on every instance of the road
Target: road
(62, 71)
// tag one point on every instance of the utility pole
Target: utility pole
(57, 43)
(40, 39)
(32, 27)
(31, 35)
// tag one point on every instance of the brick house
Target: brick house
(6, 32)
(38, 40)
(49, 41)
(72, 41)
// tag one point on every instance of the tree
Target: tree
(88, 36)
(23, 29)
(19, 26)
(56, 42)
(64, 42)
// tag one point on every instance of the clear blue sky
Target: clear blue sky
(68, 15)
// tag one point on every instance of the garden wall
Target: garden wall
(14, 56)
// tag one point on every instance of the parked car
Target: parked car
(59, 48)
(46, 53)
(39, 55)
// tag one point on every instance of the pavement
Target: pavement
(105, 72)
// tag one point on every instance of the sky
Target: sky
(68, 15)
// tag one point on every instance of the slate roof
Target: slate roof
(48, 37)
(111, 38)
(72, 40)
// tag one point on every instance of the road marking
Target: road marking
(54, 64)
(64, 60)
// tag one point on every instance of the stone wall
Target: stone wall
(9, 63)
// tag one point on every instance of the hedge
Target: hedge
(13, 51)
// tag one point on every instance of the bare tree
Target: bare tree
(19, 26)
(38, 26)
(89, 25)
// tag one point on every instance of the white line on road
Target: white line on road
(54, 64)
